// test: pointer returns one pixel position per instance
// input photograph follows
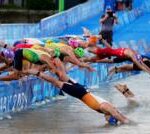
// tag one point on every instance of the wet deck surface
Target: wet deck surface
(70, 116)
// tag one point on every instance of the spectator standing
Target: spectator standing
(107, 22)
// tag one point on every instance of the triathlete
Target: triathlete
(122, 53)
(130, 67)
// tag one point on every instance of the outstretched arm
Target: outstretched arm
(78, 63)
(12, 76)
(96, 59)
(74, 60)
(3, 67)
(140, 63)
(101, 60)
(104, 18)
(137, 59)
(3, 59)
(115, 19)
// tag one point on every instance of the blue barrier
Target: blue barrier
(54, 25)
(21, 94)
(11, 32)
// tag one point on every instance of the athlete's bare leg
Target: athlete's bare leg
(124, 90)
(123, 68)
(105, 107)
(137, 60)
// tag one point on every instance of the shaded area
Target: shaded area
(23, 16)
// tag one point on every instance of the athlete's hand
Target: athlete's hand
(2, 43)
(114, 15)
(100, 37)
(8, 61)
(31, 71)
(106, 15)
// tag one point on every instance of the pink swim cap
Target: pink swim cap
(74, 43)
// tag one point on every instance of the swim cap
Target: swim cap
(73, 43)
(32, 41)
(17, 42)
(51, 40)
(112, 120)
(146, 55)
(8, 53)
(57, 52)
(79, 52)
(138, 57)
(93, 40)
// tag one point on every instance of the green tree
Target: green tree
(41, 4)
(11, 1)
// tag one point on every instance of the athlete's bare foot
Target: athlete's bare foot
(86, 32)
(112, 71)
(124, 90)
(128, 94)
